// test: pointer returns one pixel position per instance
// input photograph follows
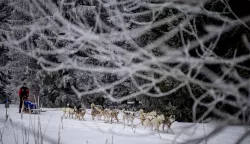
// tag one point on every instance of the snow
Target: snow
(97, 132)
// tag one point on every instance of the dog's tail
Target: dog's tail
(98, 109)
(92, 106)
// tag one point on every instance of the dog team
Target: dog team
(150, 119)
(70, 113)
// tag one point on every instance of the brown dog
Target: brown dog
(81, 113)
(168, 122)
(96, 111)
(114, 115)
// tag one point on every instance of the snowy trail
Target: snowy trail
(97, 132)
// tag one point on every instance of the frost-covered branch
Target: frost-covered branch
(138, 39)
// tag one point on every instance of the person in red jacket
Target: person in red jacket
(23, 93)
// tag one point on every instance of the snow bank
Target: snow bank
(97, 132)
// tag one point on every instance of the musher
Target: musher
(23, 94)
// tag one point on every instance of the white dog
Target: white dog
(147, 122)
(69, 112)
(106, 115)
(154, 122)
(143, 115)
(128, 116)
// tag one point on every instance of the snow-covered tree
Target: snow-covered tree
(4, 74)
(4, 57)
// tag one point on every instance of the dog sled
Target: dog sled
(30, 107)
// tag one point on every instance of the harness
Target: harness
(142, 117)
(150, 119)
(126, 113)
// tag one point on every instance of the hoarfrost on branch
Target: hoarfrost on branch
(115, 37)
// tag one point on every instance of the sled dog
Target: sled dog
(81, 113)
(96, 111)
(128, 116)
(109, 115)
(106, 115)
(72, 112)
(144, 115)
(114, 115)
(154, 122)
(168, 122)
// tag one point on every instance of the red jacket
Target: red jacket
(20, 91)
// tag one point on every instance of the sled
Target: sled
(30, 107)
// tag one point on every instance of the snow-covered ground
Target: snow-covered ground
(97, 132)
